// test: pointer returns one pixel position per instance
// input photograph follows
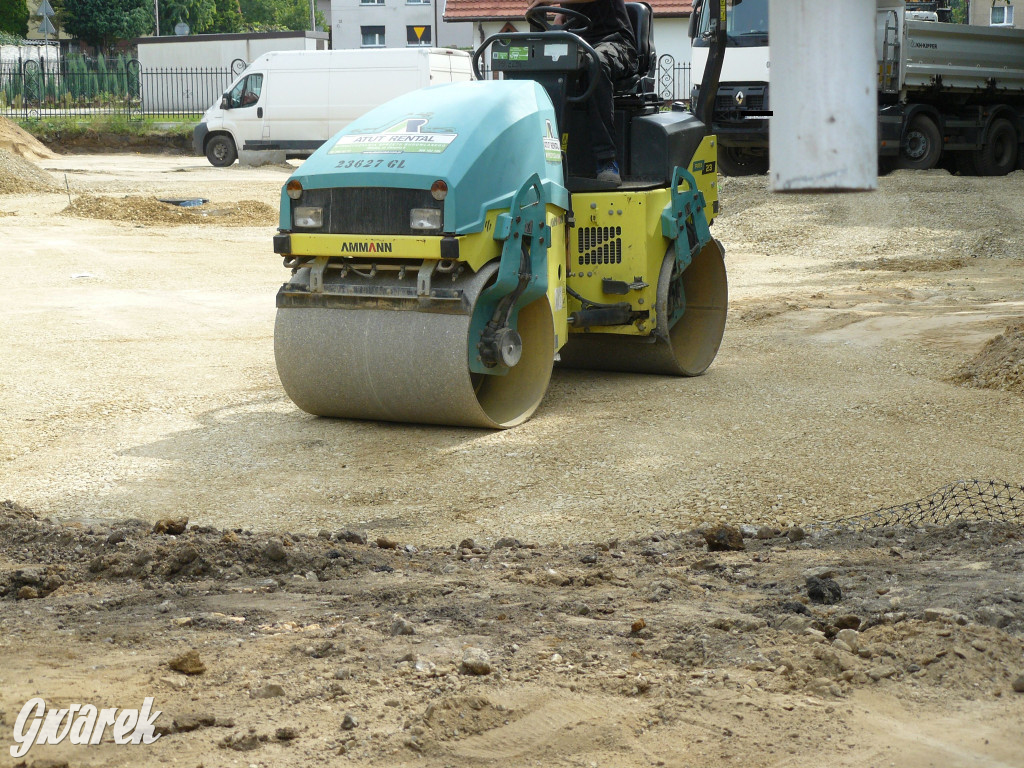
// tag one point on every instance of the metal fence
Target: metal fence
(30, 89)
(673, 82)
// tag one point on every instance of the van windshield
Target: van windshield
(246, 92)
(746, 25)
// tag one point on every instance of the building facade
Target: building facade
(394, 24)
(997, 13)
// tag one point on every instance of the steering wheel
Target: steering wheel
(574, 20)
(538, 16)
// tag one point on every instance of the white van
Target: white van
(295, 100)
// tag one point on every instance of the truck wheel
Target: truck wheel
(736, 161)
(220, 150)
(922, 145)
(999, 155)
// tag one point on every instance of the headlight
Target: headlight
(308, 217)
(425, 218)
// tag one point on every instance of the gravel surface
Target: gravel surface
(633, 578)
(141, 379)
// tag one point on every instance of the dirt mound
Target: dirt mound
(19, 142)
(990, 245)
(918, 265)
(138, 209)
(12, 510)
(615, 650)
(19, 176)
(1000, 365)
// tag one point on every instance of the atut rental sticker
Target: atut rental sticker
(81, 724)
(405, 136)
(552, 147)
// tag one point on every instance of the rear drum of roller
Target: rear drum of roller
(689, 346)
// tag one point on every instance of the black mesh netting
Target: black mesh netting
(972, 500)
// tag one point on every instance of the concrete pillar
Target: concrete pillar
(824, 128)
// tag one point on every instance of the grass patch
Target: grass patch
(58, 129)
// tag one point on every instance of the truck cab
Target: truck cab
(742, 106)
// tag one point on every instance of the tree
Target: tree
(14, 17)
(101, 23)
(228, 17)
(198, 14)
(277, 14)
(959, 11)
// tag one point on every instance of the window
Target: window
(247, 92)
(417, 2)
(371, 2)
(417, 35)
(747, 19)
(1002, 16)
(373, 37)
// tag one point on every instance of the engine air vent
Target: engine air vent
(599, 245)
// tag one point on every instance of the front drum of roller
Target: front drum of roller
(405, 365)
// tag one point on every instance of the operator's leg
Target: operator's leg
(616, 59)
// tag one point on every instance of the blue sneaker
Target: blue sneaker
(608, 172)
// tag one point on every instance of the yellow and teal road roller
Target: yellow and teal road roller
(448, 247)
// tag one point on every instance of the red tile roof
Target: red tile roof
(484, 10)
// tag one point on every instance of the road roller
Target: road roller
(450, 247)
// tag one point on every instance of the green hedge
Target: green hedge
(82, 82)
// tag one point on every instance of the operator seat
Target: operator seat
(635, 98)
(640, 85)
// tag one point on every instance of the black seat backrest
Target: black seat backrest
(641, 16)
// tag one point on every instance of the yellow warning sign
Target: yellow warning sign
(419, 32)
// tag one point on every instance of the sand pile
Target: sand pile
(19, 142)
(19, 176)
(138, 209)
(1000, 365)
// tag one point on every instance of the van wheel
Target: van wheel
(220, 151)
(999, 155)
(922, 145)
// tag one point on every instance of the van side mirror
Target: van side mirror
(225, 102)
(693, 23)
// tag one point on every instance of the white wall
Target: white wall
(11, 54)
(348, 16)
(210, 54)
(670, 38)
(219, 50)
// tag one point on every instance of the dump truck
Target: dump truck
(449, 247)
(949, 95)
